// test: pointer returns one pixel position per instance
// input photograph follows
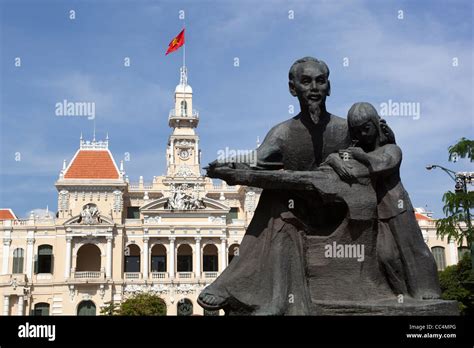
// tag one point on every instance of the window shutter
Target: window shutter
(15, 265)
(52, 263)
(36, 264)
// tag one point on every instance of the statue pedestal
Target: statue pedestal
(346, 286)
(386, 307)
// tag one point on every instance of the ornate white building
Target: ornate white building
(111, 238)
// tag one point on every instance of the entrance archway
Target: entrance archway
(86, 308)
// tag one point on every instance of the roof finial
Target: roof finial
(80, 137)
(64, 164)
(258, 141)
(107, 136)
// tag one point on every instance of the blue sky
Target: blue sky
(403, 60)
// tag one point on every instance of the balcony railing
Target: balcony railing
(217, 187)
(210, 275)
(183, 113)
(140, 185)
(132, 275)
(185, 275)
(236, 221)
(133, 222)
(88, 275)
(159, 275)
(27, 222)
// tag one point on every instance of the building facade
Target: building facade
(111, 238)
(446, 252)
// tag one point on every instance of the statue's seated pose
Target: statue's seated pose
(311, 198)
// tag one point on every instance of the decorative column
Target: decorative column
(145, 257)
(20, 305)
(67, 267)
(6, 304)
(108, 269)
(6, 254)
(196, 150)
(222, 256)
(29, 257)
(172, 151)
(171, 257)
(453, 253)
(198, 257)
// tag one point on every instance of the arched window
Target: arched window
(18, 257)
(233, 251)
(210, 258)
(463, 251)
(88, 258)
(44, 259)
(185, 258)
(184, 108)
(185, 307)
(132, 258)
(41, 309)
(158, 258)
(439, 256)
(86, 308)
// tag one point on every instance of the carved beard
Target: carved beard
(314, 110)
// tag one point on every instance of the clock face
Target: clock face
(184, 154)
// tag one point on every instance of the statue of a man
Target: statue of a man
(317, 200)
(301, 143)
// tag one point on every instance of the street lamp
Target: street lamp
(450, 172)
(461, 180)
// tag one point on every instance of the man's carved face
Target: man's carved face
(310, 85)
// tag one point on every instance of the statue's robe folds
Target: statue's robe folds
(407, 261)
(281, 267)
(270, 276)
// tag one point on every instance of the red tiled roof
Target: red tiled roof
(92, 164)
(420, 216)
(7, 214)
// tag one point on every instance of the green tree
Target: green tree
(454, 282)
(463, 148)
(458, 205)
(143, 304)
(110, 309)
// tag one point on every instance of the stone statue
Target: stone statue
(90, 215)
(180, 200)
(326, 237)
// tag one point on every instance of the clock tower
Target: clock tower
(183, 154)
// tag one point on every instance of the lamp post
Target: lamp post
(461, 179)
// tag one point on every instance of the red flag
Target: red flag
(176, 43)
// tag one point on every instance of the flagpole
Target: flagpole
(184, 45)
